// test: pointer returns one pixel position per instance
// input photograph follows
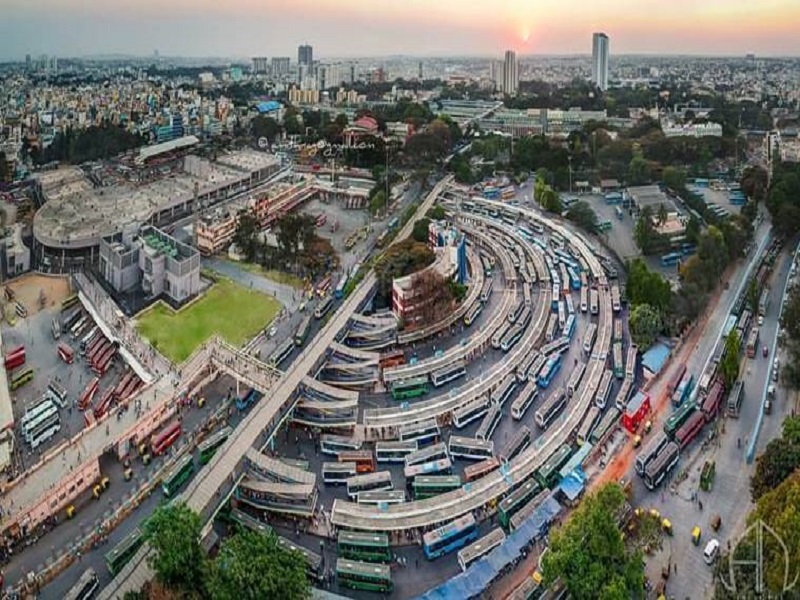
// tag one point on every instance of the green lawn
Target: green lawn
(272, 274)
(234, 312)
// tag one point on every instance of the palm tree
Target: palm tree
(662, 215)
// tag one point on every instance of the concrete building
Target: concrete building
(260, 65)
(536, 121)
(708, 129)
(600, 60)
(280, 65)
(16, 255)
(510, 73)
(305, 55)
(298, 96)
(153, 261)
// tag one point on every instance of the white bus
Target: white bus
(337, 473)
(480, 548)
(470, 412)
(423, 433)
(589, 337)
(584, 299)
(504, 391)
(551, 408)
(604, 390)
(448, 373)
(470, 448)
(333, 444)
(85, 588)
(594, 301)
(575, 378)
(323, 307)
(34, 411)
(489, 423)
(394, 451)
(386, 497)
(522, 402)
(369, 482)
(435, 452)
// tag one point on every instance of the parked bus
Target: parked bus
(505, 390)
(428, 486)
(486, 290)
(281, 353)
(575, 378)
(752, 342)
(360, 545)
(209, 446)
(69, 302)
(124, 551)
(619, 367)
(490, 422)
(588, 424)
(409, 388)
(735, 399)
(470, 448)
(552, 407)
(178, 475)
(548, 474)
(20, 378)
(302, 331)
(518, 498)
(85, 588)
(323, 307)
(684, 389)
(394, 451)
(470, 412)
(480, 548)
(424, 432)
(589, 337)
(334, 444)
(380, 480)
(549, 371)
(364, 459)
(661, 465)
(370, 577)
(448, 373)
(393, 358)
(165, 438)
(678, 418)
(671, 259)
(604, 389)
(607, 423)
(437, 451)
(433, 467)
(524, 400)
(711, 403)
(449, 537)
(690, 429)
(519, 443)
(382, 498)
(337, 473)
(473, 313)
(481, 469)
(584, 299)
(338, 292)
(314, 568)
(650, 451)
(594, 301)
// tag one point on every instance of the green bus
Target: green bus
(176, 476)
(244, 520)
(515, 500)
(21, 379)
(364, 576)
(604, 226)
(209, 446)
(427, 486)
(409, 388)
(548, 475)
(68, 303)
(124, 551)
(678, 418)
(369, 547)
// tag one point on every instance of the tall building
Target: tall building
(600, 60)
(305, 54)
(280, 66)
(260, 64)
(28, 62)
(510, 73)
(419, 73)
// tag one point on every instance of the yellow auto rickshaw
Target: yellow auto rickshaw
(201, 402)
(654, 513)
(637, 441)
(146, 458)
(104, 483)
(71, 511)
(97, 490)
(696, 535)
(648, 425)
(128, 474)
(666, 526)
(142, 448)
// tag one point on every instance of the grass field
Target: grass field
(228, 309)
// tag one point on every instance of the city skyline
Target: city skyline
(347, 28)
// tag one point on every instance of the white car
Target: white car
(711, 552)
(760, 320)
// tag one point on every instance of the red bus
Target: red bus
(365, 461)
(101, 366)
(690, 429)
(324, 286)
(15, 358)
(104, 405)
(99, 340)
(478, 470)
(392, 359)
(676, 378)
(98, 350)
(88, 393)
(712, 400)
(163, 440)
(66, 353)
(123, 383)
(322, 219)
(636, 411)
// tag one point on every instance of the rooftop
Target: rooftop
(652, 196)
(149, 152)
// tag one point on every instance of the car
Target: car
(760, 320)
(272, 331)
(711, 552)
(765, 351)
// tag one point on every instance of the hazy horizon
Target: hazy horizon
(356, 28)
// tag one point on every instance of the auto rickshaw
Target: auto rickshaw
(142, 448)
(128, 474)
(696, 535)
(104, 483)
(654, 513)
(648, 425)
(71, 511)
(716, 522)
(666, 526)
(146, 458)
(97, 490)
(201, 402)
(637, 441)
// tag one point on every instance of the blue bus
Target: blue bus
(525, 232)
(671, 259)
(338, 293)
(244, 401)
(619, 213)
(393, 224)
(491, 193)
(569, 327)
(683, 389)
(451, 536)
(549, 370)
(574, 278)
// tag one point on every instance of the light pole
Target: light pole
(570, 174)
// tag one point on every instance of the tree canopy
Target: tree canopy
(790, 322)
(420, 231)
(173, 532)
(645, 324)
(729, 364)
(647, 287)
(583, 215)
(253, 566)
(588, 552)
(783, 199)
(780, 459)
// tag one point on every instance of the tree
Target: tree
(645, 325)
(588, 552)
(693, 230)
(729, 365)
(420, 231)
(790, 323)
(638, 171)
(780, 459)
(713, 253)
(246, 236)
(647, 287)
(752, 296)
(265, 127)
(754, 183)
(647, 238)
(583, 215)
(783, 199)
(377, 203)
(436, 213)
(674, 178)
(253, 566)
(178, 559)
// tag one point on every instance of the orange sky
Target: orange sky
(361, 27)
